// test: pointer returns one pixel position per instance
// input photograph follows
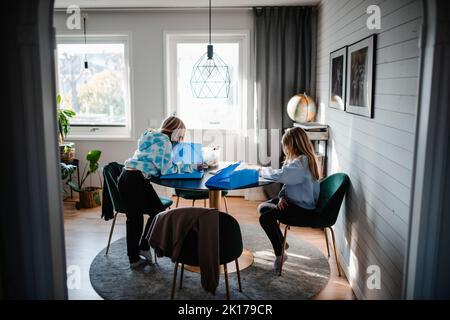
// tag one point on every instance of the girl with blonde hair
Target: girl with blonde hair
(152, 158)
(298, 197)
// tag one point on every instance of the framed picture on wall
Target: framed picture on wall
(360, 73)
(338, 70)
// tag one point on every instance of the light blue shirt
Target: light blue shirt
(154, 157)
(300, 187)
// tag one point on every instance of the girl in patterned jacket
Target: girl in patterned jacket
(153, 157)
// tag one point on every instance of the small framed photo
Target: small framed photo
(360, 72)
(338, 70)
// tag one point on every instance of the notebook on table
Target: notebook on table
(191, 175)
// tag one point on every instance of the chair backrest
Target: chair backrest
(111, 173)
(230, 242)
(332, 192)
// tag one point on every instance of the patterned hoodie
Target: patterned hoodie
(153, 156)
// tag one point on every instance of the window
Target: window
(100, 97)
(182, 52)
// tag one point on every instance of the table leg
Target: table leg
(214, 198)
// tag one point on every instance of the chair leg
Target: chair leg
(238, 275)
(335, 252)
(326, 240)
(204, 203)
(226, 204)
(178, 201)
(181, 276)
(283, 249)
(193, 202)
(174, 282)
(111, 232)
(227, 287)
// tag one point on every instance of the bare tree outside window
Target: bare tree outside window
(99, 96)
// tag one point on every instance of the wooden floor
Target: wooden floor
(86, 234)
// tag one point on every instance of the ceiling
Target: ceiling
(60, 4)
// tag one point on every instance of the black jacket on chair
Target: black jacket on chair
(107, 206)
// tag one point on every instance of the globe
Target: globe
(301, 108)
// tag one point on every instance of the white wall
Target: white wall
(147, 50)
(376, 153)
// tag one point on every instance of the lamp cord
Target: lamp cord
(209, 21)
(84, 31)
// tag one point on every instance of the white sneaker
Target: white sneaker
(137, 264)
(147, 255)
(277, 263)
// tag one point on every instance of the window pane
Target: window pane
(208, 113)
(98, 96)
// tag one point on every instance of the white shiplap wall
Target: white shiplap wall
(376, 153)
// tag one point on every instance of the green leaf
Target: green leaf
(58, 99)
(93, 155)
(66, 170)
(74, 186)
(68, 113)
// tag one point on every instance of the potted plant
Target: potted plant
(66, 149)
(66, 171)
(89, 194)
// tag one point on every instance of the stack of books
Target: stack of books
(311, 126)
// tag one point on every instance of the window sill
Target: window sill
(76, 138)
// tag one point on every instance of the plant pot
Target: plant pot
(67, 151)
(89, 198)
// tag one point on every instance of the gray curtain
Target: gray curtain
(285, 49)
(285, 54)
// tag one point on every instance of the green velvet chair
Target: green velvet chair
(230, 249)
(111, 176)
(198, 195)
(332, 192)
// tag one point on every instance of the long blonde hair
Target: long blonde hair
(172, 126)
(295, 144)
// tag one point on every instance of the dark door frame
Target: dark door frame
(32, 254)
(427, 265)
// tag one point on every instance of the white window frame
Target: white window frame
(172, 38)
(104, 132)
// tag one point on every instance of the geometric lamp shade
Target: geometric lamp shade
(210, 77)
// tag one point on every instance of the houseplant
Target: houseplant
(66, 149)
(66, 171)
(89, 194)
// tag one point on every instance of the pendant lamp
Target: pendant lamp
(86, 72)
(210, 75)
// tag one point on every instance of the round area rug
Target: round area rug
(305, 273)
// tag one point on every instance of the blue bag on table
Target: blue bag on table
(229, 178)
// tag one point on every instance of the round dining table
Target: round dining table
(246, 259)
